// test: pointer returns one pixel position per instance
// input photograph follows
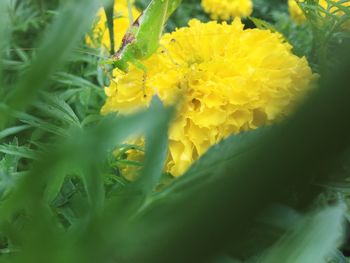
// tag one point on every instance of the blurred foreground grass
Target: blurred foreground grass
(278, 193)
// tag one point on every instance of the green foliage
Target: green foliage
(328, 29)
(314, 238)
(62, 194)
(300, 36)
(265, 9)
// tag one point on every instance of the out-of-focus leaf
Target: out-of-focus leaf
(84, 151)
(225, 259)
(313, 239)
(156, 149)
(4, 37)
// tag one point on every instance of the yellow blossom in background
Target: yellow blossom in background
(130, 158)
(298, 15)
(229, 80)
(227, 9)
(295, 12)
(121, 24)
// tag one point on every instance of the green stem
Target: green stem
(109, 10)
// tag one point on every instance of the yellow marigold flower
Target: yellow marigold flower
(130, 158)
(295, 12)
(230, 80)
(298, 16)
(227, 9)
(121, 24)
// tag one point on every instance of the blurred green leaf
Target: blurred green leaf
(313, 239)
(156, 149)
(4, 37)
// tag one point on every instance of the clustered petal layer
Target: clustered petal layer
(298, 15)
(229, 80)
(100, 33)
(227, 9)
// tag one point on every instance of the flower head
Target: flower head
(227, 9)
(229, 79)
(121, 24)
